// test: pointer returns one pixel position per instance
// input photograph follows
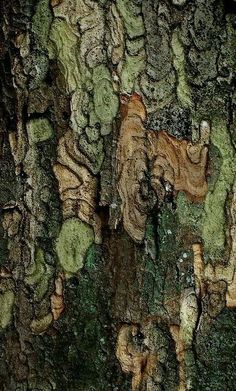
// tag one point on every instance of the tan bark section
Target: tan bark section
(77, 186)
(180, 163)
(57, 299)
(132, 166)
(141, 363)
(183, 334)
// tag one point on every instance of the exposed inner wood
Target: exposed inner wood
(77, 185)
(143, 154)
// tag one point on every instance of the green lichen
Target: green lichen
(106, 102)
(208, 219)
(133, 66)
(94, 150)
(132, 19)
(6, 306)
(92, 134)
(41, 22)
(189, 214)
(214, 223)
(39, 130)
(91, 258)
(39, 274)
(64, 47)
(134, 46)
(183, 90)
(73, 242)
(230, 47)
(160, 92)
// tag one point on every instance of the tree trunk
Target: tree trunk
(117, 195)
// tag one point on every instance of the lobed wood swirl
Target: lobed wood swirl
(149, 162)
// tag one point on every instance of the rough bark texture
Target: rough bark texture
(117, 195)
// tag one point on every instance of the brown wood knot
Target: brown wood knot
(147, 161)
(78, 187)
(134, 356)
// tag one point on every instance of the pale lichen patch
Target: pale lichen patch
(39, 130)
(74, 240)
(214, 223)
(183, 90)
(106, 102)
(6, 304)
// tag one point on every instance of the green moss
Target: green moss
(183, 90)
(167, 228)
(90, 258)
(6, 305)
(132, 68)
(132, 19)
(214, 223)
(39, 130)
(74, 240)
(106, 102)
(41, 22)
(215, 351)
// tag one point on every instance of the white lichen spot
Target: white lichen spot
(204, 131)
(179, 2)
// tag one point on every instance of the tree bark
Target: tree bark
(117, 195)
